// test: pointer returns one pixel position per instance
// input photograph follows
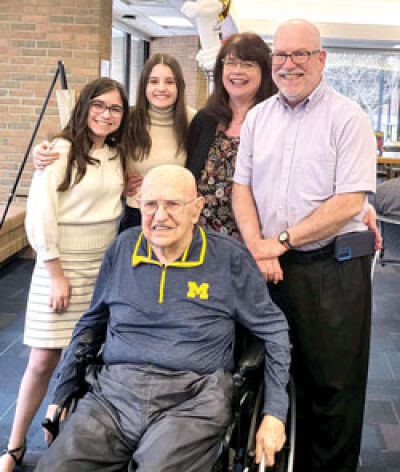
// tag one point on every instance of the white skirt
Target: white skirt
(45, 328)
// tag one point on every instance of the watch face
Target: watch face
(283, 236)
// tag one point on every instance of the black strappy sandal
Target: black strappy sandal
(11, 452)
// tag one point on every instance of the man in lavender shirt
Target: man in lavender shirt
(305, 165)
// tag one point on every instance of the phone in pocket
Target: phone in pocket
(356, 244)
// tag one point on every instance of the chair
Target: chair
(390, 231)
(237, 451)
(239, 444)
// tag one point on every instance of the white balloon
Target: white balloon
(205, 13)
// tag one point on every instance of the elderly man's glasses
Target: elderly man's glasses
(231, 64)
(100, 107)
(297, 57)
(172, 207)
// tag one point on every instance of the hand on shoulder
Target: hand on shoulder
(44, 155)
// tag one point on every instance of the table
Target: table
(394, 158)
(389, 160)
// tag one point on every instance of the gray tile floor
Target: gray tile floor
(381, 434)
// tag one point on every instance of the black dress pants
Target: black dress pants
(328, 307)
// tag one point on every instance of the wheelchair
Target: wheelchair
(237, 450)
(239, 444)
(390, 232)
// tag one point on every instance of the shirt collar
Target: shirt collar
(192, 256)
(309, 102)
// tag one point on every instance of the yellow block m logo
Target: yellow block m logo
(194, 290)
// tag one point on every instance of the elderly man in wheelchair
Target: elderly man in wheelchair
(164, 310)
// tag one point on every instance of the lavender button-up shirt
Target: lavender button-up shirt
(296, 159)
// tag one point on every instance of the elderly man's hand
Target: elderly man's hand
(270, 439)
(50, 413)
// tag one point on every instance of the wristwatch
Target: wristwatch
(284, 239)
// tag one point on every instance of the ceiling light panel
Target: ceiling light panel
(172, 21)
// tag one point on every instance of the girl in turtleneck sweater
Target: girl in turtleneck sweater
(158, 129)
(159, 124)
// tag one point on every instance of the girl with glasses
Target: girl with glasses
(73, 211)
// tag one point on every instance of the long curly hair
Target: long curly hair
(79, 134)
(139, 136)
(247, 47)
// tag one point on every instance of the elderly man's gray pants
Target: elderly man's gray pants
(151, 418)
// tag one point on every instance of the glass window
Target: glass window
(118, 54)
(370, 78)
(127, 58)
(137, 60)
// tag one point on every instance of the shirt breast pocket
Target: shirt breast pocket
(315, 178)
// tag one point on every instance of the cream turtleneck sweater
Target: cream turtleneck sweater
(163, 147)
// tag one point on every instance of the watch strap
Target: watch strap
(285, 242)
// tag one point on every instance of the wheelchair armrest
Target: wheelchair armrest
(388, 219)
(85, 355)
(252, 357)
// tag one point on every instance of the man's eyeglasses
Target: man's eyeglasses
(231, 64)
(297, 57)
(172, 207)
(99, 107)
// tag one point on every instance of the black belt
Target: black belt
(307, 257)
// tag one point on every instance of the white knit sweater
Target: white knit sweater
(86, 214)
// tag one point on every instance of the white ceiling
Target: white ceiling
(382, 12)
(352, 22)
(142, 10)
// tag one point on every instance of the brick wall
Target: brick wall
(34, 34)
(184, 49)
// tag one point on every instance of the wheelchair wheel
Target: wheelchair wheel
(285, 458)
